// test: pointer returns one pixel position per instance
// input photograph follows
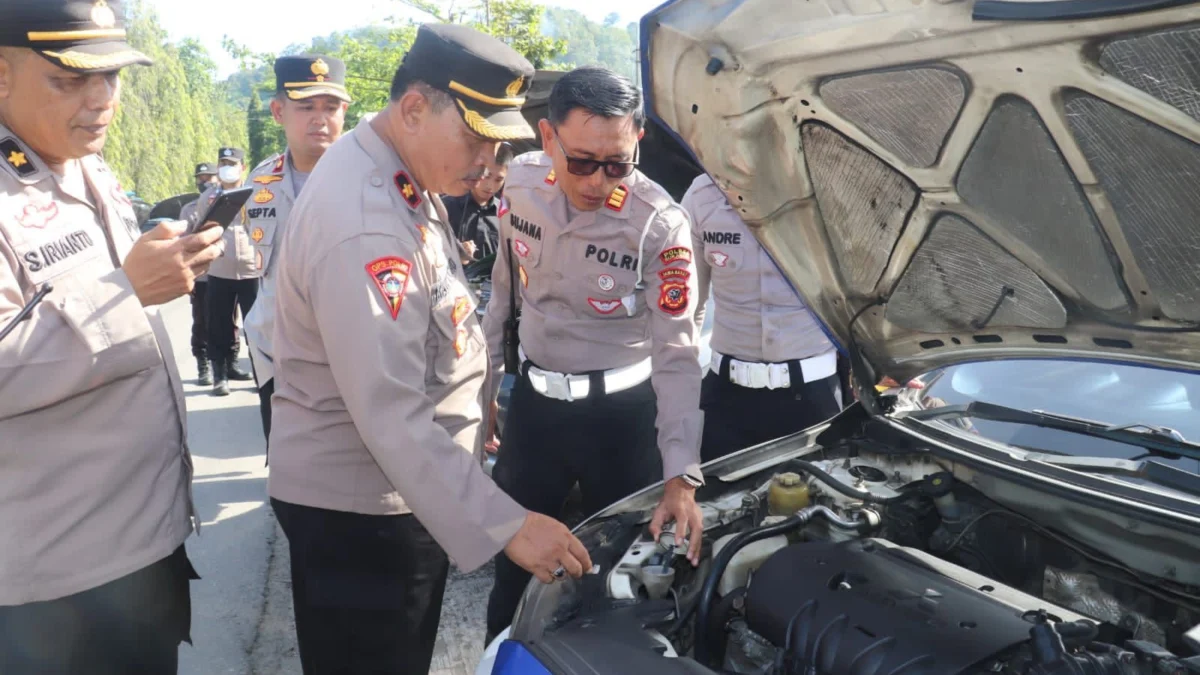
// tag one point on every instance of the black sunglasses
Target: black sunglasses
(587, 167)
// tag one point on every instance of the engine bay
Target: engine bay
(850, 562)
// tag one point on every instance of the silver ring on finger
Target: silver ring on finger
(559, 572)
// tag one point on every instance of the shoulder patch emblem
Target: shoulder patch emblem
(674, 274)
(676, 254)
(267, 180)
(462, 309)
(604, 306)
(674, 297)
(264, 196)
(14, 156)
(616, 200)
(524, 275)
(391, 276)
(551, 179)
(407, 190)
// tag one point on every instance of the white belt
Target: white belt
(574, 387)
(775, 375)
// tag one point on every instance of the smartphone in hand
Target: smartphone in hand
(223, 209)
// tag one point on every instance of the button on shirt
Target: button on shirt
(379, 357)
(758, 317)
(578, 277)
(95, 475)
(276, 184)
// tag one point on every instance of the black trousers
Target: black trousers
(225, 296)
(200, 320)
(264, 409)
(131, 626)
(736, 417)
(367, 590)
(607, 443)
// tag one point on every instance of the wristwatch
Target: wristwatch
(691, 480)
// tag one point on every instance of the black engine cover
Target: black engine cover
(861, 608)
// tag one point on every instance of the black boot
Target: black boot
(221, 375)
(205, 379)
(236, 373)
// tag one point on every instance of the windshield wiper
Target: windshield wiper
(1142, 469)
(1158, 441)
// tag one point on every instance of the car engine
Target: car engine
(887, 565)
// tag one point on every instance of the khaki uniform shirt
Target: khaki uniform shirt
(237, 261)
(757, 316)
(578, 281)
(267, 213)
(379, 359)
(95, 476)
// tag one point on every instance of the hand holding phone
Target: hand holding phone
(223, 209)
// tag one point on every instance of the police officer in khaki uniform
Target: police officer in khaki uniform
(232, 278)
(95, 475)
(206, 177)
(310, 104)
(379, 364)
(603, 258)
(773, 370)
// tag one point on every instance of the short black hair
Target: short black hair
(598, 91)
(402, 81)
(504, 154)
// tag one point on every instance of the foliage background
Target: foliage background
(178, 113)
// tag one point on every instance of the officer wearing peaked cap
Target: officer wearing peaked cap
(310, 104)
(376, 437)
(96, 480)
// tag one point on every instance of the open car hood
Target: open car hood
(949, 181)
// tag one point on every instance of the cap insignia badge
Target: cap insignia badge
(102, 15)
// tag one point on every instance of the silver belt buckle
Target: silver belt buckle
(558, 387)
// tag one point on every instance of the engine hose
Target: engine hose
(802, 466)
(703, 651)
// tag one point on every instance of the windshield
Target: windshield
(1101, 392)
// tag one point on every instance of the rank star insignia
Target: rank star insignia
(407, 190)
(102, 15)
(267, 180)
(462, 309)
(673, 298)
(17, 159)
(264, 196)
(616, 201)
(391, 276)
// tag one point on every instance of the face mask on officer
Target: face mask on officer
(230, 174)
(203, 184)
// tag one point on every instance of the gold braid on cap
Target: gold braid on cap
(480, 125)
(84, 61)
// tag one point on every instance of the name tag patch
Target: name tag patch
(51, 254)
(726, 238)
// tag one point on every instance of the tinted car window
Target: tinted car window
(1101, 392)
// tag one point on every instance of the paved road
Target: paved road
(242, 610)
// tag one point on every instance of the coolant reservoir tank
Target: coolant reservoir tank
(788, 494)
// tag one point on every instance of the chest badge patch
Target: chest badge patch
(462, 309)
(460, 341)
(604, 306)
(264, 196)
(607, 283)
(391, 276)
(267, 180)
(257, 235)
(718, 259)
(673, 298)
(408, 191)
(677, 254)
(39, 216)
(522, 248)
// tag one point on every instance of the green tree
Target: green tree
(517, 22)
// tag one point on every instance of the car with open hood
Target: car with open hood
(1003, 197)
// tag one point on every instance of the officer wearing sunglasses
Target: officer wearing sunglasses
(608, 393)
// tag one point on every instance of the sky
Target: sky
(268, 27)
